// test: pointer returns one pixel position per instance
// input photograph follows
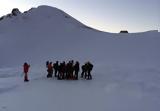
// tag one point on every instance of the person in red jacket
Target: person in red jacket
(26, 69)
(50, 70)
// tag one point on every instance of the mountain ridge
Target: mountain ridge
(35, 38)
(42, 12)
(47, 11)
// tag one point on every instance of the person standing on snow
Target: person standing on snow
(89, 69)
(76, 69)
(50, 70)
(56, 66)
(25, 70)
(84, 71)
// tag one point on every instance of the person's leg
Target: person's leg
(82, 74)
(26, 77)
(76, 75)
(86, 75)
(55, 74)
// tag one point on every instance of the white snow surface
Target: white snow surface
(126, 73)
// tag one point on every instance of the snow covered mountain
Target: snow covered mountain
(48, 33)
(126, 73)
(37, 33)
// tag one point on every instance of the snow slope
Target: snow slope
(126, 73)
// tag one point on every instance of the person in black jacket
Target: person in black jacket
(84, 70)
(62, 70)
(89, 69)
(76, 69)
(56, 66)
(69, 70)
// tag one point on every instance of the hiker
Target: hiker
(56, 65)
(84, 70)
(67, 70)
(76, 69)
(89, 67)
(25, 70)
(50, 70)
(70, 70)
(62, 70)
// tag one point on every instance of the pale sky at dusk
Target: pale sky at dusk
(105, 15)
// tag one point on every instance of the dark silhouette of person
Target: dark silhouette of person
(56, 66)
(84, 70)
(67, 70)
(89, 69)
(76, 69)
(62, 69)
(26, 67)
(71, 69)
(50, 70)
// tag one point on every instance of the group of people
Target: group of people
(68, 70)
(64, 70)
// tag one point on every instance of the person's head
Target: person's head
(86, 63)
(25, 63)
(47, 62)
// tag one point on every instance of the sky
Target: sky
(104, 15)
